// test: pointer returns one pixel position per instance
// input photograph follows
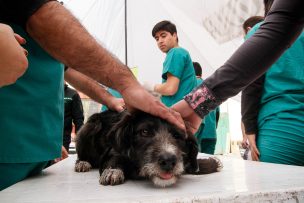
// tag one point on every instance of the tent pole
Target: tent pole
(126, 35)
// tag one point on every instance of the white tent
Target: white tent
(210, 30)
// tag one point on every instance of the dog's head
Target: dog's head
(161, 151)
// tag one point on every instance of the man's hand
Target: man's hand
(244, 142)
(136, 97)
(117, 104)
(192, 120)
(254, 150)
(13, 61)
(148, 86)
(21, 41)
(64, 154)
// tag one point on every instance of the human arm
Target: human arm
(93, 89)
(250, 105)
(191, 119)
(253, 147)
(75, 47)
(249, 140)
(282, 26)
(48, 26)
(244, 142)
(13, 61)
(168, 88)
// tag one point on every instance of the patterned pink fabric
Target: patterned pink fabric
(202, 100)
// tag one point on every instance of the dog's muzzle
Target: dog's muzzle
(167, 162)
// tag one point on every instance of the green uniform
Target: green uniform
(206, 135)
(31, 121)
(281, 115)
(178, 63)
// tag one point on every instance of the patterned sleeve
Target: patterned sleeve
(202, 100)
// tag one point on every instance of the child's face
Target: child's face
(165, 41)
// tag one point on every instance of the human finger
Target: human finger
(64, 153)
(19, 39)
(255, 153)
(25, 52)
(120, 105)
(174, 117)
(244, 144)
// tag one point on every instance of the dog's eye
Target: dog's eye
(144, 133)
(177, 136)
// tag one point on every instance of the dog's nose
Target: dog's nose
(167, 161)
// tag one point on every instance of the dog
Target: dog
(138, 146)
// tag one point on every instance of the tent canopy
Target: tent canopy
(210, 30)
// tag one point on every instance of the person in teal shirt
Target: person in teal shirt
(178, 77)
(33, 109)
(206, 134)
(280, 118)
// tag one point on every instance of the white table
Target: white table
(239, 181)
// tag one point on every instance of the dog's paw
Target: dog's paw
(82, 166)
(112, 177)
(218, 162)
(210, 165)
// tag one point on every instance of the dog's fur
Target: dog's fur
(125, 146)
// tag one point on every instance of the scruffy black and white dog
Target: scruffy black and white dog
(136, 146)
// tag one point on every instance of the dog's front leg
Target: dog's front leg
(113, 171)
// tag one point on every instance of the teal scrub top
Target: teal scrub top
(284, 83)
(281, 114)
(208, 127)
(31, 121)
(178, 63)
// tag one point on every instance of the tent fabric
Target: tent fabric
(209, 29)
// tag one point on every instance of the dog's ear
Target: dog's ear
(87, 132)
(121, 132)
(91, 127)
(191, 151)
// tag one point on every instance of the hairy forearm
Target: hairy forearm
(88, 86)
(63, 37)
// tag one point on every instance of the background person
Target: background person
(282, 25)
(178, 77)
(276, 128)
(73, 114)
(247, 25)
(250, 22)
(206, 134)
